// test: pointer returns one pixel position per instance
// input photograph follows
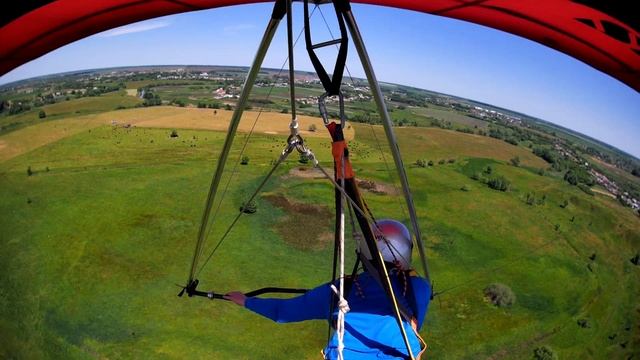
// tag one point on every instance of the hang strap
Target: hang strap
(331, 84)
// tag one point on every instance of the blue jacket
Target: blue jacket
(371, 330)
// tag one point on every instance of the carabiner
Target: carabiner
(325, 114)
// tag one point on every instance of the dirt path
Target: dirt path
(603, 192)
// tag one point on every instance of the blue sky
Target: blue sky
(406, 47)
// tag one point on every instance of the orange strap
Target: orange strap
(340, 152)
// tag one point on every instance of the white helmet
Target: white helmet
(394, 243)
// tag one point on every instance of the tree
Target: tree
(500, 295)
(586, 189)
(531, 199)
(547, 154)
(571, 177)
(544, 353)
(499, 183)
(42, 114)
(584, 323)
(249, 208)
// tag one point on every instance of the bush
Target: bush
(244, 160)
(29, 171)
(488, 170)
(515, 161)
(430, 163)
(249, 208)
(228, 107)
(313, 127)
(531, 199)
(584, 323)
(465, 188)
(585, 188)
(576, 176)
(548, 155)
(571, 177)
(564, 204)
(421, 163)
(174, 133)
(544, 353)
(451, 161)
(500, 295)
(541, 172)
(441, 162)
(42, 114)
(284, 111)
(303, 159)
(499, 183)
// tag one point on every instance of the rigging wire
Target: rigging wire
(282, 158)
(242, 150)
(391, 177)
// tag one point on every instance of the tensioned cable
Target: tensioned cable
(368, 215)
(246, 142)
(376, 138)
(394, 300)
(391, 177)
(499, 267)
(496, 268)
(255, 193)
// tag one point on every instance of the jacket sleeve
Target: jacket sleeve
(314, 304)
(422, 292)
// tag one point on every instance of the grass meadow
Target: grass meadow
(95, 239)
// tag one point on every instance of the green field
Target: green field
(72, 107)
(94, 241)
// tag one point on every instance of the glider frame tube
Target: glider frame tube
(391, 138)
(272, 26)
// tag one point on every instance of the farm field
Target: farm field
(73, 107)
(95, 239)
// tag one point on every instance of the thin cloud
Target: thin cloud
(135, 28)
(234, 29)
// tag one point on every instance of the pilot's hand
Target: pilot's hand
(236, 297)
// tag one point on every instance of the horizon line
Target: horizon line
(601, 142)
